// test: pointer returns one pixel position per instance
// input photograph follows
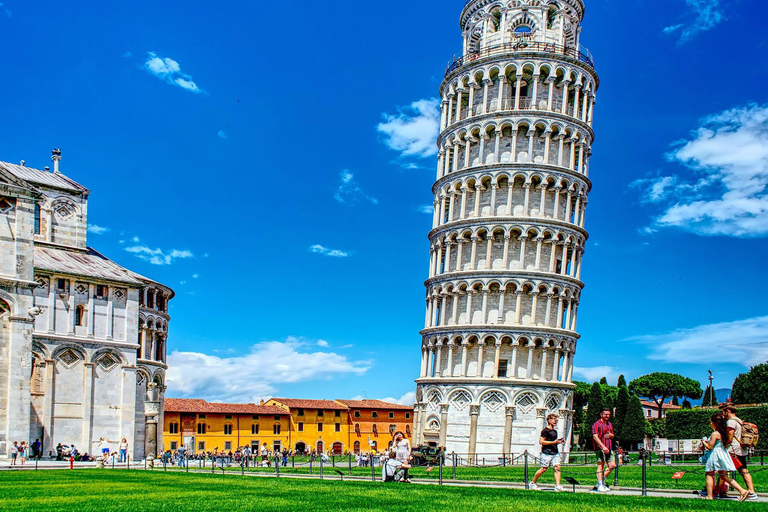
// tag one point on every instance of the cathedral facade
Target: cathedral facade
(508, 234)
(82, 339)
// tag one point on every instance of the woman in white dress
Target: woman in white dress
(402, 448)
(719, 461)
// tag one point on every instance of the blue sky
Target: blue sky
(272, 162)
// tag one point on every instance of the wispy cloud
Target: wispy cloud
(704, 14)
(216, 378)
(742, 342)
(408, 398)
(6, 10)
(169, 70)
(322, 343)
(349, 192)
(158, 256)
(413, 130)
(595, 373)
(222, 135)
(728, 155)
(334, 253)
(426, 208)
(97, 230)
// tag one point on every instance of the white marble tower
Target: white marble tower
(508, 234)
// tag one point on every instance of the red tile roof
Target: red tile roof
(198, 406)
(374, 404)
(667, 405)
(298, 403)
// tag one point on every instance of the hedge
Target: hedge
(694, 423)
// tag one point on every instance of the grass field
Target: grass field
(658, 476)
(94, 490)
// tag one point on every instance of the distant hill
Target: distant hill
(721, 394)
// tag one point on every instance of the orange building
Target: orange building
(319, 425)
(373, 423)
(205, 427)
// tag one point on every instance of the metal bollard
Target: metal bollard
(616, 471)
(440, 469)
(454, 464)
(645, 483)
(321, 467)
(310, 465)
(527, 483)
(277, 467)
(373, 469)
(350, 465)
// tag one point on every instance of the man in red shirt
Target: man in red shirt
(602, 443)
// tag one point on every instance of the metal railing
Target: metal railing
(581, 54)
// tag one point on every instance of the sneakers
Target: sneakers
(752, 497)
(532, 486)
(603, 488)
(559, 488)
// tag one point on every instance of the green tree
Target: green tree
(622, 406)
(751, 387)
(660, 386)
(604, 381)
(622, 381)
(675, 401)
(633, 427)
(687, 404)
(709, 397)
(593, 409)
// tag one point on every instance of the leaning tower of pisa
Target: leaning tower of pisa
(508, 235)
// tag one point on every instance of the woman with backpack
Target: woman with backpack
(738, 447)
(719, 461)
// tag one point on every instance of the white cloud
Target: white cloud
(426, 208)
(6, 10)
(169, 70)
(158, 256)
(334, 253)
(97, 230)
(413, 130)
(742, 342)
(349, 192)
(195, 276)
(729, 156)
(214, 378)
(222, 135)
(322, 343)
(595, 373)
(408, 398)
(135, 239)
(707, 14)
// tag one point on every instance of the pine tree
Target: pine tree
(604, 381)
(622, 405)
(622, 381)
(675, 401)
(687, 404)
(633, 427)
(710, 399)
(594, 407)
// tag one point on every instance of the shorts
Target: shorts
(105, 451)
(604, 457)
(550, 460)
(743, 460)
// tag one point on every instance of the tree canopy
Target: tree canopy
(621, 382)
(660, 386)
(751, 387)
(622, 405)
(633, 426)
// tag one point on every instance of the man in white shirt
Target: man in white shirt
(737, 451)
(394, 470)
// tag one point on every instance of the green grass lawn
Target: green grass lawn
(658, 476)
(95, 490)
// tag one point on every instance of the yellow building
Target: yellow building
(209, 427)
(319, 425)
(373, 424)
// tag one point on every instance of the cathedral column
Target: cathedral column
(547, 313)
(505, 261)
(539, 241)
(459, 97)
(514, 362)
(450, 108)
(485, 307)
(470, 107)
(449, 364)
(529, 366)
(470, 294)
(568, 316)
(50, 383)
(478, 197)
(488, 251)
(438, 357)
(85, 439)
(577, 90)
(474, 412)
(464, 349)
(485, 95)
(551, 94)
(518, 306)
(494, 188)
(473, 256)
(459, 255)
(502, 82)
(564, 106)
(447, 266)
(557, 202)
(543, 199)
(509, 417)
(523, 239)
(455, 312)
(556, 365)
(443, 424)
(430, 361)
(518, 84)
(544, 353)
(534, 96)
(534, 304)
(480, 350)
(464, 191)
(51, 305)
(502, 294)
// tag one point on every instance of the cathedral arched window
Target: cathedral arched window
(37, 219)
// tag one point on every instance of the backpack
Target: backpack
(750, 434)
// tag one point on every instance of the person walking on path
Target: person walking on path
(123, 450)
(402, 449)
(602, 443)
(737, 450)
(550, 454)
(14, 452)
(37, 449)
(719, 461)
(23, 452)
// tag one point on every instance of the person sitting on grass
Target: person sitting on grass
(550, 456)
(394, 470)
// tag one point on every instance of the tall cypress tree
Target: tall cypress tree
(604, 381)
(633, 427)
(594, 407)
(622, 406)
(622, 381)
(709, 397)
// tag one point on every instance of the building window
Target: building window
(337, 427)
(300, 427)
(201, 428)
(201, 416)
(392, 429)
(254, 417)
(276, 429)
(254, 429)
(300, 412)
(407, 415)
(319, 414)
(374, 414)
(357, 446)
(391, 415)
(277, 418)
(337, 414)
(228, 445)
(228, 429)
(276, 446)
(201, 446)
(228, 417)
(173, 428)
(62, 285)
(101, 291)
(357, 414)
(319, 427)
(502, 368)
(80, 315)
(174, 445)
(37, 219)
